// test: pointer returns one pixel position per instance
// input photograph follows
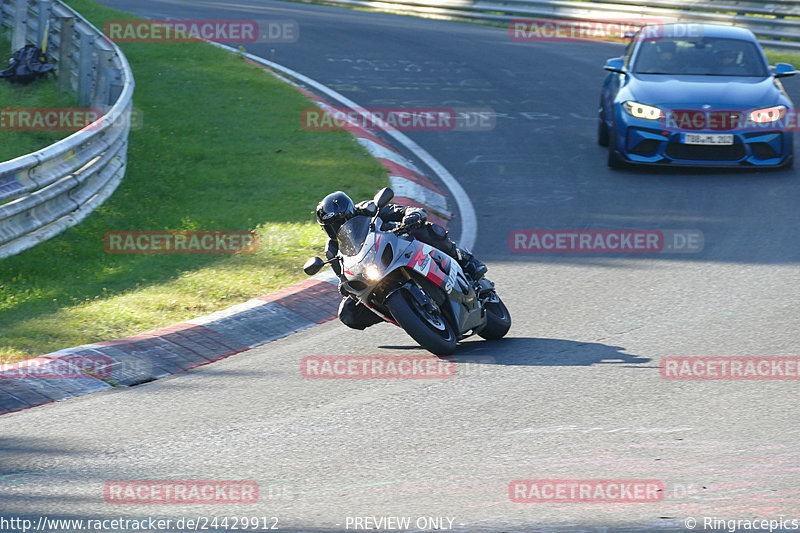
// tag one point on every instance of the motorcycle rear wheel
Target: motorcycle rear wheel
(431, 330)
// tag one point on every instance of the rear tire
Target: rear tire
(498, 321)
(423, 329)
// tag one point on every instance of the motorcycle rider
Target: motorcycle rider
(337, 208)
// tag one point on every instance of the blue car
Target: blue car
(696, 95)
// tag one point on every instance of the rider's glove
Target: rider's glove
(368, 207)
(412, 219)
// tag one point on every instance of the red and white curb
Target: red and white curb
(411, 187)
(165, 351)
(427, 195)
(162, 352)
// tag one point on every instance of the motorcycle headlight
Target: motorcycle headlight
(765, 115)
(372, 272)
(638, 110)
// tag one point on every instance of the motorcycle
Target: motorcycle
(414, 285)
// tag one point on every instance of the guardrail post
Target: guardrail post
(44, 20)
(20, 35)
(85, 67)
(114, 86)
(102, 85)
(65, 47)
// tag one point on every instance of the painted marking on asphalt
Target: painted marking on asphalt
(376, 150)
(409, 189)
(559, 429)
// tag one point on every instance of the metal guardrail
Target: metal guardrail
(775, 22)
(46, 192)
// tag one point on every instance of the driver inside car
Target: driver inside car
(337, 208)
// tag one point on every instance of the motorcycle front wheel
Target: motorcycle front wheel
(498, 321)
(430, 329)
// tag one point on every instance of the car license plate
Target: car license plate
(707, 138)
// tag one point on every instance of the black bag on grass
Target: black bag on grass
(27, 64)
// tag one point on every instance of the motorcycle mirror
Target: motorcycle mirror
(383, 197)
(313, 266)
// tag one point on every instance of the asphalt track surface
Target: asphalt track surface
(574, 392)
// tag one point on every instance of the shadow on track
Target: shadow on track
(530, 351)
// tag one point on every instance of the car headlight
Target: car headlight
(645, 111)
(765, 115)
(372, 272)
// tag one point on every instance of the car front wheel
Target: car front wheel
(789, 163)
(602, 129)
(615, 160)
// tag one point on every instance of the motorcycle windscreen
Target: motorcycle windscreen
(352, 234)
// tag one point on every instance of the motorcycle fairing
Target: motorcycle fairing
(420, 259)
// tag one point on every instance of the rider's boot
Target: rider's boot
(472, 266)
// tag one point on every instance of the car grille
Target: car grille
(697, 152)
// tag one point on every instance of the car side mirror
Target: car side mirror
(615, 64)
(782, 70)
(383, 197)
(313, 266)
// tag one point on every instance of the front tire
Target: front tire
(602, 127)
(432, 331)
(498, 321)
(602, 133)
(789, 163)
(615, 160)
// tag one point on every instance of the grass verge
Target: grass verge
(220, 148)
(774, 56)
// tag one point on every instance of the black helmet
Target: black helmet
(334, 210)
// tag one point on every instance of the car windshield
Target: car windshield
(352, 234)
(699, 56)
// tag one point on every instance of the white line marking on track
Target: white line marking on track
(408, 189)
(380, 151)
